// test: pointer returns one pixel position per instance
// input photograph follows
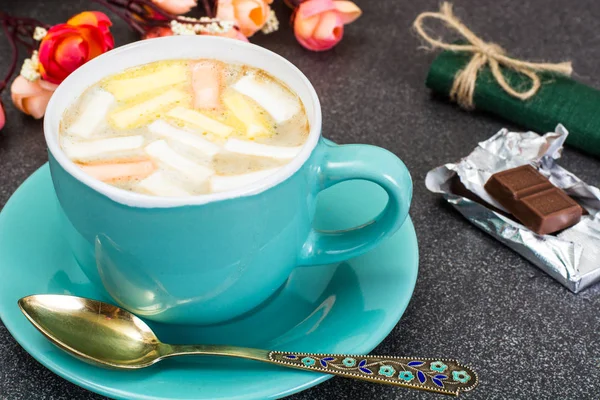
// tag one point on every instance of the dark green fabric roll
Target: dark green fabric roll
(559, 100)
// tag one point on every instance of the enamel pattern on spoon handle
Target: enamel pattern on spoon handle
(438, 375)
(432, 374)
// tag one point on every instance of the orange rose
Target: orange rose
(31, 97)
(249, 15)
(319, 24)
(68, 46)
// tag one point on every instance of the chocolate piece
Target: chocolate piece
(550, 211)
(516, 183)
(533, 200)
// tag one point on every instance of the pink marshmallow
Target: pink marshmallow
(206, 84)
(119, 170)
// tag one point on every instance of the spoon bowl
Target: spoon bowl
(109, 336)
(96, 332)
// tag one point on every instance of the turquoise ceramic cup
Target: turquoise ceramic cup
(206, 259)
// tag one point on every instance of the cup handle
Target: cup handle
(371, 163)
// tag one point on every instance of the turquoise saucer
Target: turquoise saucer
(343, 308)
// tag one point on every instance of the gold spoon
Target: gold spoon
(109, 336)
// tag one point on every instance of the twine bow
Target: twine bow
(484, 53)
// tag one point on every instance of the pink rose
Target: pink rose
(31, 97)
(319, 24)
(249, 15)
(176, 7)
(2, 116)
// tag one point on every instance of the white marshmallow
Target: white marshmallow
(221, 183)
(95, 148)
(158, 184)
(168, 131)
(93, 115)
(270, 96)
(261, 150)
(161, 151)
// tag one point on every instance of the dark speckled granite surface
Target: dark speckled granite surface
(526, 335)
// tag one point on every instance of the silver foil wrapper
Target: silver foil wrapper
(573, 256)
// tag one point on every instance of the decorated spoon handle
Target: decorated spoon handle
(432, 374)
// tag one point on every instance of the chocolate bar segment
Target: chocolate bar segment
(516, 183)
(549, 211)
(533, 200)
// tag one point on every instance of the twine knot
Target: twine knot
(491, 50)
(484, 53)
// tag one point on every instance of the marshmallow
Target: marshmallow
(111, 171)
(168, 131)
(276, 100)
(100, 147)
(201, 121)
(159, 185)
(132, 116)
(206, 83)
(243, 110)
(124, 89)
(93, 115)
(162, 152)
(261, 150)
